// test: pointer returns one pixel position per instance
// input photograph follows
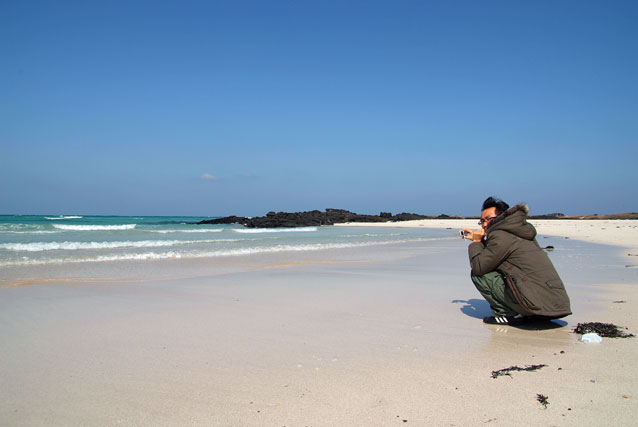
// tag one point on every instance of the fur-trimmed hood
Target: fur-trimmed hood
(514, 221)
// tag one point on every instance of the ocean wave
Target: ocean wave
(94, 227)
(102, 258)
(32, 232)
(207, 230)
(10, 227)
(144, 256)
(73, 246)
(63, 217)
(274, 230)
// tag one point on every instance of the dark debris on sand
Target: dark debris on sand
(608, 330)
(542, 399)
(506, 371)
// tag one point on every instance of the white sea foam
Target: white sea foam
(32, 232)
(274, 230)
(26, 229)
(63, 217)
(204, 254)
(175, 255)
(72, 246)
(205, 230)
(20, 227)
(94, 227)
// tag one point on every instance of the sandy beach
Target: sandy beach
(608, 232)
(374, 336)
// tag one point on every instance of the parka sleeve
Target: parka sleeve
(485, 257)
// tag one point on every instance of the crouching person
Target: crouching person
(510, 269)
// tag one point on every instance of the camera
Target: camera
(463, 234)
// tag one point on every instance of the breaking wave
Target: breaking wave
(53, 218)
(94, 227)
(274, 230)
(32, 232)
(202, 254)
(73, 246)
(206, 230)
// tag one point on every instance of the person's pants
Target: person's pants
(494, 289)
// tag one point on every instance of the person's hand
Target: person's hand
(474, 235)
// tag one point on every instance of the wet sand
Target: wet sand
(375, 336)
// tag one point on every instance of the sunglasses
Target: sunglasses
(483, 221)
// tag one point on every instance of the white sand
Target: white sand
(378, 336)
(609, 232)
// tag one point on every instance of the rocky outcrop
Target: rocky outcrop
(313, 218)
(340, 216)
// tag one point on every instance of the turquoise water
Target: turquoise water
(49, 239)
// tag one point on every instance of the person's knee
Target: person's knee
(476, 278)
(480, 282)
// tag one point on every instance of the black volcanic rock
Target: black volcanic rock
(407, 217)
(225, 220)
(310, 218)
(549, 216)
(338, 216)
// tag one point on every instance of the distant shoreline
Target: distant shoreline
(341, 216)
(623, 215)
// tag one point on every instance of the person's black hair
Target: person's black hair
(492, 202)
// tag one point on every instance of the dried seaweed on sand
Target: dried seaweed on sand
(608, 330)
(506, 371)
(542, 399)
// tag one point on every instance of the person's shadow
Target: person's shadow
(479, 309)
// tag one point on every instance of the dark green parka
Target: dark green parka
(510, 247)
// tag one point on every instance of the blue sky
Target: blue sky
(242, 107)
